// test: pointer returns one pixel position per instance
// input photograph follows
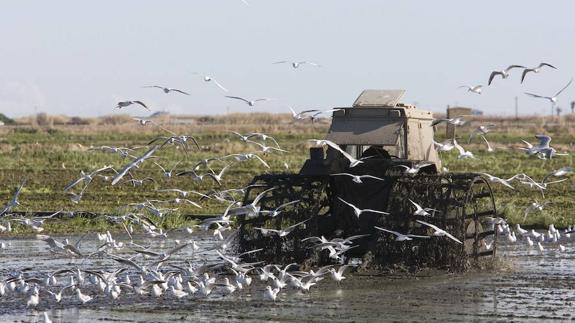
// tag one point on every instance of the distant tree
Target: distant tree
(43, 119)
(78, 121)
(5, 119)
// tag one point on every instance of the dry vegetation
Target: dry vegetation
(50, 151)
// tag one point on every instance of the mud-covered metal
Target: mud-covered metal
(463, 202)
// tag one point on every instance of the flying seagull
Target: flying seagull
(282, 232)
(123, 104)
(208, 78)
(458, 121)
(475, 89)
(535, 70)
(353, 161)
(504, 73)
(439, 232)
(302, 114)
(251, 103)
(358, 178)
(14, 201)
(357, 211)
(401, 237)
(552, 99)
(298, 64)
(482, 130)
(420, 211)
(167, 89)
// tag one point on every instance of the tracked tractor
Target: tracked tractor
(389, 138)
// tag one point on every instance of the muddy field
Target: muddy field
(524, 285)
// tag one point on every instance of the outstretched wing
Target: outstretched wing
(180, 91)
(338, 148)
(525, 71)
(142, 104)
(543, 140)
(546, 64)
(510, 67)
(447, 234)
(537, 95)
(261, 160)
(492, 76)
(238, 98)
(563, 89)
(219, 85)
(389, 231)
(428, 224)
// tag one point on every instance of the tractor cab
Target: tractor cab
(380, 131)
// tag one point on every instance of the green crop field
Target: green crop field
(50, 157)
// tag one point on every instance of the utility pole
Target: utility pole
(516, 108)
(572, 106)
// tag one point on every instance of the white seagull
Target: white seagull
(400, 236)
(563, 171)
(413, 170)
(271, 294)
(123, 104)
(358, 178)
(475, 89)
(552, 99)
(208, 78)
(458, 121)
(439, 232)
(463, 154)
(482, 130)
(357, 211)
(419, 211)
(353, 161)
(298, 64)
(535, 70)
(167, 89)
(275, 212)
(489, 148)
(282, 232)
(495, 179)
(251, 103)
(14, 201)
(504, 73)
(338, 275)
(302, 114)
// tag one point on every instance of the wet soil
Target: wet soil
(521, 284)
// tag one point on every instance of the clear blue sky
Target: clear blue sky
(80, 57)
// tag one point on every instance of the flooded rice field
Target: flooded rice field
(525, 285)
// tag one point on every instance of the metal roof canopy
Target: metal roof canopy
(364, 131)
(379, 98)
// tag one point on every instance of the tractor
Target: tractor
(388, 137)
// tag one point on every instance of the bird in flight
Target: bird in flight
(208, 78)
(552, 99)
(475, 89)
(358, 178)
(400, 236)
(123, 104)
(439, 232)
(357, 211)
(458, 121)
(298, 64)
(504, 73)
(167, 89)
(251, 103)
(322, 142)
(535, 70)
